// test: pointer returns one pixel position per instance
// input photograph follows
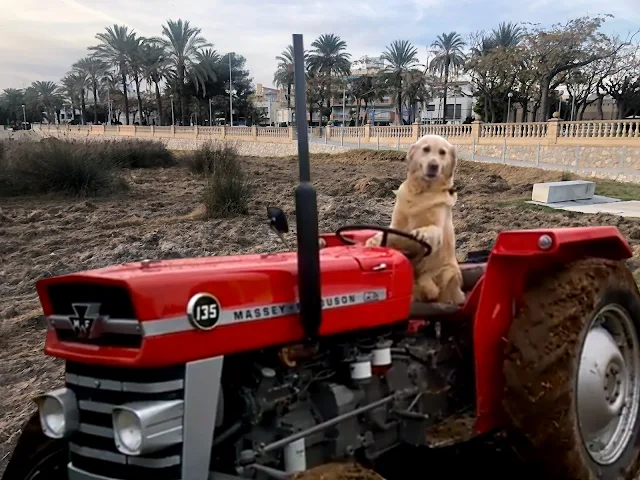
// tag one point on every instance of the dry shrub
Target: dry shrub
(70, 168)
(133, 153)
(227, 192)
(212, 157)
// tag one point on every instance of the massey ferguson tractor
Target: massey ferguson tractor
(263, 366)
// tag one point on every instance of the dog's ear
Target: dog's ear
(411, 155)
(453, 160)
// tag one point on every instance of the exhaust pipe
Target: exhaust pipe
(306, 208)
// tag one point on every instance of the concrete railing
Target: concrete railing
(553, 132)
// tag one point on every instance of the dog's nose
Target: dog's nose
(432, 167)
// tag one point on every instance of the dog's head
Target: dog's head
(431, 162)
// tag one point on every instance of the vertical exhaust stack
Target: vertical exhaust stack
(306, 208)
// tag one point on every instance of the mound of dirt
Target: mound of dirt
(377, 187)
(492, 184)
(338, 471)
(364, 155)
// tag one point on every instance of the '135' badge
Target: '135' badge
(203, 311)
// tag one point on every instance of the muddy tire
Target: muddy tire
(37, 457)
(572, 372)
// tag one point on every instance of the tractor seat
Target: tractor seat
(471, 273)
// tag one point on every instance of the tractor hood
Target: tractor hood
(134, 308)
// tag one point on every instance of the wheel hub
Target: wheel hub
(608, 390)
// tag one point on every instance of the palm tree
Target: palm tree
(136, 67)
(507, 35)
(114, 50)
(415, 91)
(93, 68)
(49, 97)
(12, 100)
(183, 43)
(402, 57)
(328, 58)
(72, 89)
(449, 56)
(284, 77)
(156, 69)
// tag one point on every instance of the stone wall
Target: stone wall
(249, 149)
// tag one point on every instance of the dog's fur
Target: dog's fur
(423, 208)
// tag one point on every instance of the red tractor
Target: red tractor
(261, 366)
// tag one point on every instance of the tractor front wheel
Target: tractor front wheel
(572, 372)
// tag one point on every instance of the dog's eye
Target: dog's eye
(442, 151)
(426, 149)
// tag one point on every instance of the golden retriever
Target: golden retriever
(423, 208)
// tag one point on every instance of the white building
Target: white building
(460, 101)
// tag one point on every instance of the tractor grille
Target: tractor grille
(115, 325)
(97, 390)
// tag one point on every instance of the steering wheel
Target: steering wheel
(385, 234)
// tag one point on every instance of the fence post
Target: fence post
(415, 131)
(367, 131)
(358, 138)
(326, 138)
(378, 140)
(538, 155)
(552, 130)
(398, 145)
(342, 137)
(504, 151)
(473, 149)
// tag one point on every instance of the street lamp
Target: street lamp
(173, 118)
(24, 118)
(510, 96)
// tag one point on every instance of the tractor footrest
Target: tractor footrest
(453, 430)
(428, 310)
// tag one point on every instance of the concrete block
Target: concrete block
(552, 192)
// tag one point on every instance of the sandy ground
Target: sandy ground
(46, 236)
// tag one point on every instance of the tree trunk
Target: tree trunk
(94, 82)
(582, 110)
(486, 108)
(523, 115)
(400, 99)
(83, 109)
(159, 104)
(620, 112)
(137, 80)
(288, 95)
(126, 98)
(358, 113)
(183, 118)
(444, 97)
(599, 105)
(545, 82)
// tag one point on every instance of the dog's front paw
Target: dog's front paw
(430, 236)
(374, 241)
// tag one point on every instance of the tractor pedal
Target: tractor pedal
(453, 430)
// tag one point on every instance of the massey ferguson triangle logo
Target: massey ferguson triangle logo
(85, 320)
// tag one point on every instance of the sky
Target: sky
(40, 39)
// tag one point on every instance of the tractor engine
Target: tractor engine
(411, 381)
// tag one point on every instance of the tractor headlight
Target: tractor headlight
(144, 427)
(58, 412)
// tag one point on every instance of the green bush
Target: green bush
(71, 168)
(227, 192)
(132, 153)
(212, 157)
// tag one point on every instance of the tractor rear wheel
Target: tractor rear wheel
(572, 372)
